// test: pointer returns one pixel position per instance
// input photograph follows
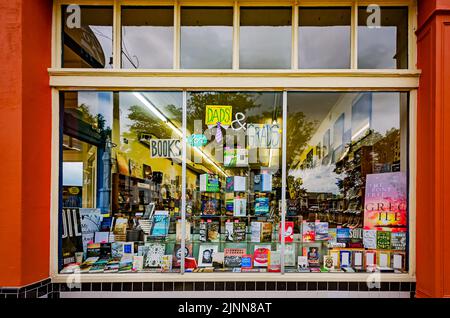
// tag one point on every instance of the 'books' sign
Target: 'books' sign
(165, 148)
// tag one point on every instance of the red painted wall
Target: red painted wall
(25, 140)
(433, 148)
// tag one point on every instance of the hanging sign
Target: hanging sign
(197, 140)
(264, 136)
(218, 114)
(165, 148)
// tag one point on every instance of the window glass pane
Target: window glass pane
(87, 36)
(206, 37)
(383, 38)
(121, 181)
(324, 37)
(147, 37)
(265, 38)
(347, 175)
(234, 181)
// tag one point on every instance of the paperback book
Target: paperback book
(233, 256)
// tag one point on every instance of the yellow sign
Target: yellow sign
(218, 114)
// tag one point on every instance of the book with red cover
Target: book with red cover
(288, 232)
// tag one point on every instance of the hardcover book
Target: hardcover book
(343, 235)
(125, 266)
(370, 239)
(247, 261)
(240, 207)
(160, 226)
(209, 183)
(233, 256)
(166, 263)
(274, 264)
(308, 231)
(288, 232)
(213, 231)
(345, 259)
(321, 229)
(313, 256)
(302, 264)
(383, 240)
(236, 184)
(229, 230)
(239, 229)
(398, 241)
(289, 254)
(205, 255)
(138, 263)
(210, 207)
(266, 232)
(261, 255)
(153, 257)
(203, 231)
(262, 183)
(261, 206)
(255, 228)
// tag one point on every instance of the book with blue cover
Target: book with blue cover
(160, 224)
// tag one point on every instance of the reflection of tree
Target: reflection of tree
(97, 122)
(298, 135)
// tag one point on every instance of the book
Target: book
(240, 207)
(190, 263)
(138, 263)
(262, 182)
(87, 264)
(357, 259)
(247, 261)
(210, 207)
(384, 260)
(160, 224)
(328, 263)
(370, 239)
(383, 240)
(125, 266)
(288, 232)
(213, 231)
(332, 237)
(218, 259)
(385, 202)
(209, 183)
(313, 256)
(308, 231)
(345, 258)
(302, 264)
(343, 235)
(274, 263)
(93, 250)
(289, 254)
(261, 206)
(239, 231)
(235, 157)
(98, 266)
(205, 255)
(266, 232)
(398, 261)
(229, 230)
(236, 184)
(321, 229)
(127, 250)
(255, 235)
(261, 255)
(398, 241)
(178, 254)
(203, 231)
(112, 266)
(117, 249)
(233, 256)
(179, 231)
(166, 263)
(154, 254)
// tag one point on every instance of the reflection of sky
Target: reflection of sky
(385, 112)
(321, 179)
(147, 46)
(206, 46)
(98, 103)
(377, 47)
(265, 47)
(104, 36)
(72, 174)
(324, 47)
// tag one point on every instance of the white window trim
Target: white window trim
(234, 79)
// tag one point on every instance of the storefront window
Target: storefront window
(87, 36)
(147, 37)
(322, 33)
(122, 182)
(382, 37)
(265, 38)
(234, 181)
(347, 197)
(206, 37)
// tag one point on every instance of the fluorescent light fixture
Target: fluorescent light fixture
(150, 106)
(359, 132)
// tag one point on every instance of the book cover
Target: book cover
(328, 263)
(190, 263)
(210, 207)
(261, 255)
(383, 240)
(112, 266)
(203, 231)
(288, 232)
(343, 235)
(98, 266)
(313, 256)
(239, 229)
(160, 225)
(218, 259)
(398, 261)
(308, 231)
(247, 261)
(321, 229)
(138, 263)
(357, 259)
(166, 263)
(178, 254)
(385, 204)
(233, 256)
(154, 254)
(205, 255)
(261, 206)
(302, 264)
(117, 249)
(345, 258)
(88, 263)
(274, 263)
(292, 207)
(213, 231)
(266, 232)
(209, 183)
(262, 183)
(93, 250)
(125, 266)
(72, 240)
(229, 230)
(240, 207)
(289, 254)
(398, 241)
(255, 235)
(179, 231)
(370, 239)
(332, 236)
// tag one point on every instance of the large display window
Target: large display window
(234, 181)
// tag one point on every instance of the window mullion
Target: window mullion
(117, 36)
(294, 57)
(236, 19)
(354, 35)
(176, 35)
